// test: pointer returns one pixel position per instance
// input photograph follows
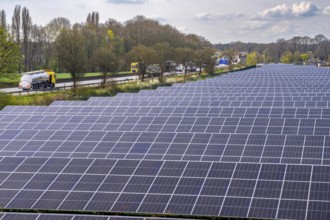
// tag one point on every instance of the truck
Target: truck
(135, 67)
(39, 79)
(151, 69)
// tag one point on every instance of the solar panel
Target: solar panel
(43, 216)
(251, 144)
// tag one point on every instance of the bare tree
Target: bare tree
(294, 44)
(26, 28)
(55, 26)
(38, 48)
(3, 22)
(116, 27)
(319, 41)
(306, 41)
(52, 31)
(16, 23)
(93, 19)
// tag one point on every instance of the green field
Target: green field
(68, 75)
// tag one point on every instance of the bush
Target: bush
(4, 100)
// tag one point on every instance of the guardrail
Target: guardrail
(56, 89)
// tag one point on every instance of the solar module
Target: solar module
(42, 216)
(250, 144)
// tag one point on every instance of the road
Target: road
(16, 89)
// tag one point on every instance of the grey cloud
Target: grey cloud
(284, 12)
(159, 18)
(209, 17)
(305, 9)
(326, 11)
(127, 1)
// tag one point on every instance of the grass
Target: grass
(68, 75)
(9, 80)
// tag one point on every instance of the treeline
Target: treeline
(288, 51)
(88, 46)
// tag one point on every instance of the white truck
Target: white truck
(37, 80)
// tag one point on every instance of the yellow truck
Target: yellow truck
(151, 68)
(39, 79)
(135, 67)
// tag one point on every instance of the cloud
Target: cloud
(80, 6)
(284, 12)
(158, 18)
(326, 11)
(305, 9)
(127, 1)
(280, 28)
(279, 11)
(209, 17)
(248, 26)
(183, 29)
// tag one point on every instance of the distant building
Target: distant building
(240, 57)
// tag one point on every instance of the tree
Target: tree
(106, 61)
(55, 27)
(251, 59)
(144, 56)
(26, 29)
(304, 57)
(318, 40)
(93, 19)
(10, 55)
(92, 43)
(70, 47)
(184, 55)
(280, 47)
(163, 53)
(3, 22)
(229, 54)
(16, 23)
(204, 57)
(287, 57)
(52, 31)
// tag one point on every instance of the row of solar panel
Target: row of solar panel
(171, 111)
(208, 97)
(118, 121)
(45, 216)
(207, 101)
(288, 129)
(223, 104)
(165, 137)
(286, 120)
(163, 151)
(198, 188)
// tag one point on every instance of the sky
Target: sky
(219, 21)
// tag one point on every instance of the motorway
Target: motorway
(68, 84)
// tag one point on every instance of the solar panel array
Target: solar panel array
(43, 216)
(251, 144)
